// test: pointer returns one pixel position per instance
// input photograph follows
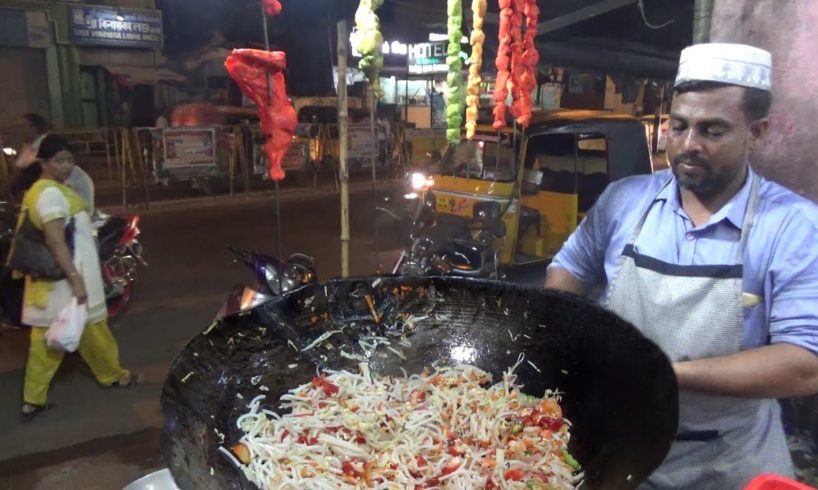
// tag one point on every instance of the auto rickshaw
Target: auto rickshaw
(545, 179)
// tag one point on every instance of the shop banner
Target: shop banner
(361, 145)
(190, 147)
(116, 27)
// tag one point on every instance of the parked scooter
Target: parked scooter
(273, 277)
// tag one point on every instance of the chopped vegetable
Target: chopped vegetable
(573, 463)
(438, 429)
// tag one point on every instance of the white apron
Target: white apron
(696, 312)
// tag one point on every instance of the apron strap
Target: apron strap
(698, 436)
(749, 216)
(644, 218)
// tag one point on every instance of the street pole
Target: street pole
(343, 141)
(373, 101)
(270, 101)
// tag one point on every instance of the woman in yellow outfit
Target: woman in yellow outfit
(50, 204)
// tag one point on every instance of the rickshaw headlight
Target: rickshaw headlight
(420, 181)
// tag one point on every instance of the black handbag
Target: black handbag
(30, 254)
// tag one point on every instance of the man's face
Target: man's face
(709, 139)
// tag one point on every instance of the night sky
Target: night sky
(302, 31)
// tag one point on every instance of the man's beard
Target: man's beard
(707, 182)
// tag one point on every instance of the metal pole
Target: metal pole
(406, 100)
(343, 121)
(270, 100)
(373, 101)
(702, 19)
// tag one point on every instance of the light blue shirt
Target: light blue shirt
(780, 261)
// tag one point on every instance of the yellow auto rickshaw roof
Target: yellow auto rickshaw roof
(551, 117)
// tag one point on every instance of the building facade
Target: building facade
(82, 65)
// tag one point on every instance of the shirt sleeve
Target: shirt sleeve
(794, 286)
(52, 205)
(583, 254)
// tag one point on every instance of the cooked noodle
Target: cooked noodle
(444, 429)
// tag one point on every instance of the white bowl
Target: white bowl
(159, 480)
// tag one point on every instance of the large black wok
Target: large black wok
(620, 391)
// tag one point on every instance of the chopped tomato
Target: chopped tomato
(421, 461)
(550, 423)
(417, 396)
(349, 469)
(285, 435)
(328, 388)
(305, 438)
(514, 474)
(451, 466)
(490, 485)
(360, 438)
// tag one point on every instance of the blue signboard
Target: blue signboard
(112, 27)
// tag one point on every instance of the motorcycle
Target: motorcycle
(444, 244)
(120, 254)
(273, 277)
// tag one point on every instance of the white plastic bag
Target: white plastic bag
(66, 331)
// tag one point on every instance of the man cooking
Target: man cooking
(718, 266)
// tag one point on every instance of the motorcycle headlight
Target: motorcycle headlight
(418, 181)
(421, 182)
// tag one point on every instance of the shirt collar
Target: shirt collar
(733, 211)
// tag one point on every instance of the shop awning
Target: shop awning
(136, 75)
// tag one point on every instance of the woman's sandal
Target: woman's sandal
(28, 416)
(133, 379)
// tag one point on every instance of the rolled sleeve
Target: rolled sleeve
(51, 205)
(793, 317)
(583, 254)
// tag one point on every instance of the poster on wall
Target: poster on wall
(115, 27)
(361, 144)
(550, 95)
(190, 148)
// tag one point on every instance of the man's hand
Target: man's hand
(28, 155)
(773, 371)
(562, 280)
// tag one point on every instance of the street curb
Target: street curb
(208, 201)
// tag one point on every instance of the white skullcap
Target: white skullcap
(734, 64)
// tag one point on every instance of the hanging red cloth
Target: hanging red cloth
(503, 63)
(249, 68)
(271, 7)
(529, 60)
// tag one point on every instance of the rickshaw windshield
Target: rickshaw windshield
(485, 159)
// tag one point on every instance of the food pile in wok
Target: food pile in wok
(442, 429)
(616, 388)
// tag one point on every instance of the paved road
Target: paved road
(101, 439)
